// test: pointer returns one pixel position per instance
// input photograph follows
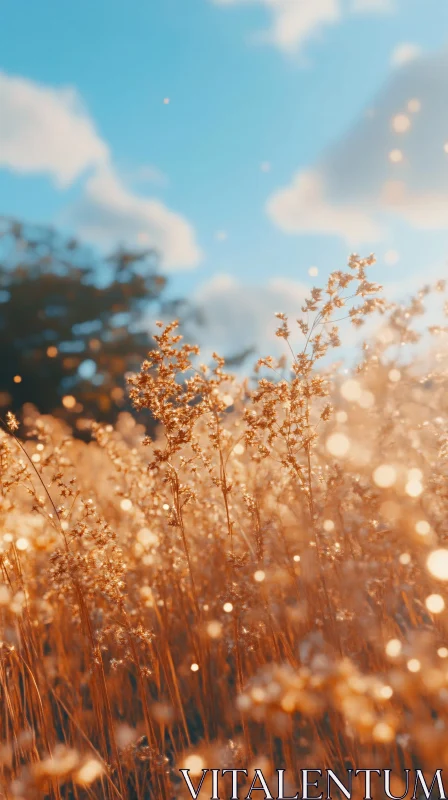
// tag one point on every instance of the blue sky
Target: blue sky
(244, 179)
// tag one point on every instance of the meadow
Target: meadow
(263, 585)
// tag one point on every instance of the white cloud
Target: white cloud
(355, 191)
(302, 207)
(405, 52)
(108, 212)
(46, 130)
(293, 22)
(428, 211)
(238, 316)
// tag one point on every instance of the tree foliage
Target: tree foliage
(71, 324)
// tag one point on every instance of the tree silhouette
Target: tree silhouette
(71, 324)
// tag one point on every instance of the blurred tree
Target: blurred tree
(71, 325)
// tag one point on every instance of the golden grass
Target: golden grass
(251, 589)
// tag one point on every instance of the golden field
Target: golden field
(261, 586)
